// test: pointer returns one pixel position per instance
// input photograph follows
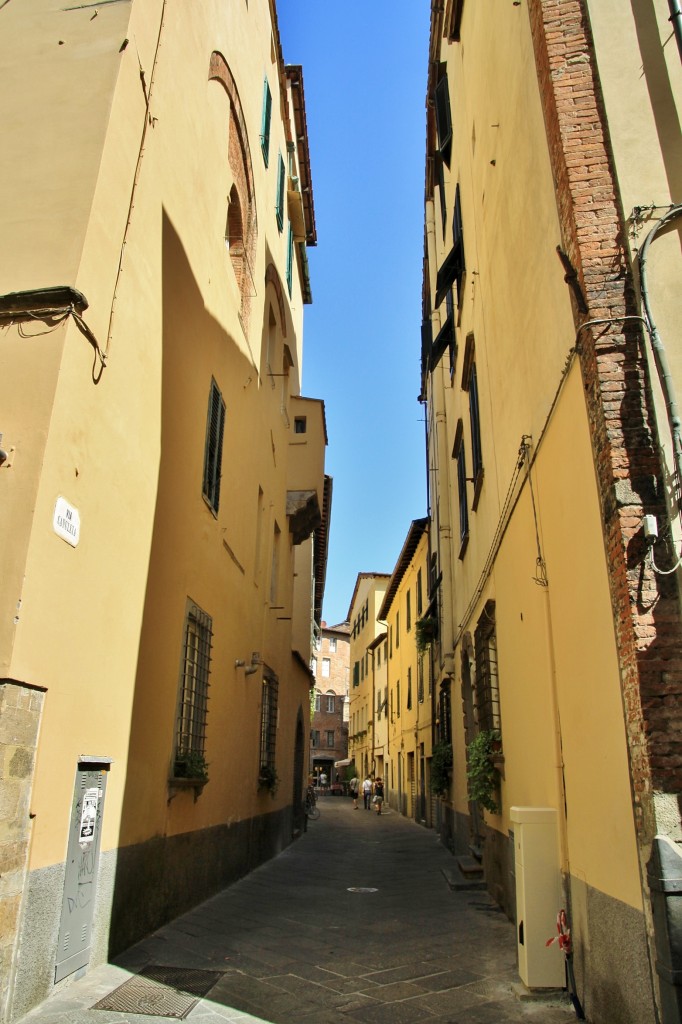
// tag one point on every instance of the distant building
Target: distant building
(329, 731)
(365, 629)
(403, 705)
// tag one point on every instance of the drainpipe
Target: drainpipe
(665, 885)
(676, 19)
(660, 355)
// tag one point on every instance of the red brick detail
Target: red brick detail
(615, 377)
(239, 156)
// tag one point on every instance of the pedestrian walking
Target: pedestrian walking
(367, 792)
(378, 794)
(323, 782)
(354, 786)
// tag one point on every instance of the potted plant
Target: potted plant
(441, 765)
(192, 766)
(268, 778)
(426, 631)
(482, 772)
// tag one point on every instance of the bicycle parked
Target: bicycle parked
(310, 804)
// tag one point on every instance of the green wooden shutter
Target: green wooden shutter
(265, 123)
(213, 454)
(279, 208)
(290, 260)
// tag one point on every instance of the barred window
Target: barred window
(444, 731)
(190, 737)
(268, 727)
(486, 681)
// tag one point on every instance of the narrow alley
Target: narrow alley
(354, 922)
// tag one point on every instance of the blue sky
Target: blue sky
(364, 74)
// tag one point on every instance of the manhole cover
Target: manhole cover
(361, 888)
(160, 992)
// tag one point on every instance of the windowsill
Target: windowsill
(209, 506)
(175, 784)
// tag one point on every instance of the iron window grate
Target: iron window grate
(196, 665)
(268, 735)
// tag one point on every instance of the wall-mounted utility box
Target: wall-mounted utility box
(538, 896)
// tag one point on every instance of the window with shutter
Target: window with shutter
(458, 453)
(476, 450)
(486, 682)
(440, 180)
(265, 123)
(443, 118)
(279, 206)
(455, 20)
(452, 268)
(290, 260)
(213, 452)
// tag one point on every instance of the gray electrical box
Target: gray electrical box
(82, 863)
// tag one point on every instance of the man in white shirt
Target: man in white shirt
(367, 792)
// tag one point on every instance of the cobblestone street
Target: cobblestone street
(354, 922)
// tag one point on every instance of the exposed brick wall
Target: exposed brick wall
(239, 156)
(645, 606)
(337, 680)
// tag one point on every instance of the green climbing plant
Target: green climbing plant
(441, 764)
(426, 631)
(482, 775)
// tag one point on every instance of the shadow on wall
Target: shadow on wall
(169, 859)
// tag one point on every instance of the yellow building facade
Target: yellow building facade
(551, 159)
(367, 597)
(406, 699)
(165, 508)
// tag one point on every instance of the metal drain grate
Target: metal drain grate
(160, 992)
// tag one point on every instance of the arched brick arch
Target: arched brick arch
(272, 277)
(239, 156)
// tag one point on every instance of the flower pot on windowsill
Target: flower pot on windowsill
(190, 771)
(268, 779)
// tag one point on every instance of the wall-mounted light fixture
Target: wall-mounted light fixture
(252, 667)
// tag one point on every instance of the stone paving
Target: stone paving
(354, 923)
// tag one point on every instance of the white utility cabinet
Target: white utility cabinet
(538, 896)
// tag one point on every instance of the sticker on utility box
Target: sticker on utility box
(67, 522)
(86, 832)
